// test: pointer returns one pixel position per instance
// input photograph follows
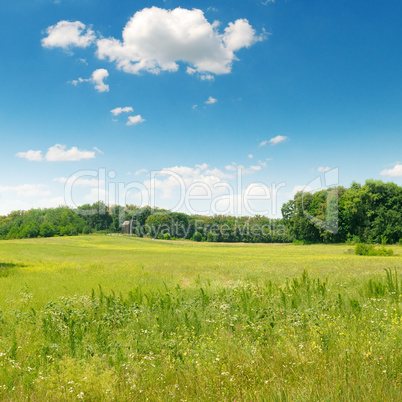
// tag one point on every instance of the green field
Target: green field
(110, 317)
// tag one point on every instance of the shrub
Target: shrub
(167, 236)
(197, 236)
(368, 249)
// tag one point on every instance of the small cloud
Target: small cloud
(138, 172)
(278, 139)
(323, 169)
(66, 34)
(396, 171)
(263, 164)
(120, 110)
(202, 166)
(263, 143)
(195, 107)
(217, 173)
(251, 156)
(265, 2)
(207, 77)
(59, 153)
(32, 156)
(84, 61)
(98, 150)
(97, 78)
(132, 120)
(211, 101)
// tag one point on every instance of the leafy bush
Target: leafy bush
(368, 249)
(197, 237)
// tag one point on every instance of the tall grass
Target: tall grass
(257, 336)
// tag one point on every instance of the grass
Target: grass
(111, 317)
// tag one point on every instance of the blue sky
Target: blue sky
(284, 90)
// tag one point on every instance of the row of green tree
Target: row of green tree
(370, 213)
(145, 222)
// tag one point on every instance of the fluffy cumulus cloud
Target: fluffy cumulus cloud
(98, 77)
(32, 156)
(60, 153)
(133, 120)
(66, 34)
(119, 110)
(396, 171)
(57, 153)
(156, 40)
(193, 179)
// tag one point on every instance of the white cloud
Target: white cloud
(97, 78)
(250, 170)
(138, 172)
(120, 110)
(59, 153)
(239, 34)
(231, 168)
(324, 169)
(156, 39)
(27, 190)
(32, 156)
(203, 77)
(169, 180)
(278, 139)
(132, 120)
(254, 168)
(66, 34)
(218, 173)
(211, 101)
(263, 143)
(396, 171)
(207, 77)
(251, 156)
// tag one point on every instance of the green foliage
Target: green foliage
(368, 249)
(197, 236)
(369, 213)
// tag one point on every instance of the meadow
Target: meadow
(102, 317)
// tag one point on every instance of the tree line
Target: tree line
(370, 213)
